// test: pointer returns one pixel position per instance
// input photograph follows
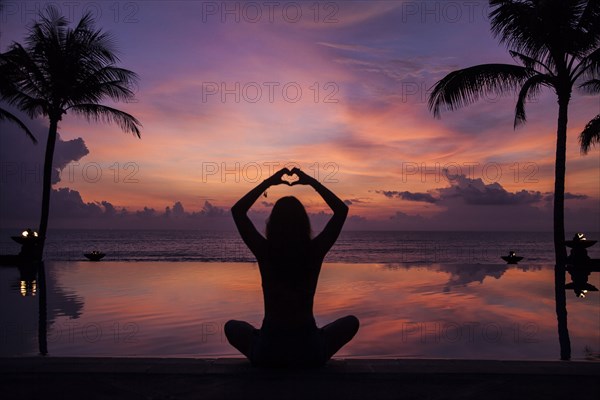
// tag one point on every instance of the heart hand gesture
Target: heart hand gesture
(303, 178)
(290, 177)
(277, 177)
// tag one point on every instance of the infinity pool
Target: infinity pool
(178, 309)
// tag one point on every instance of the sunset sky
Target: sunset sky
(230, 90)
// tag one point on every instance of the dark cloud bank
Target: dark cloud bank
(467, 204)
(471, 204)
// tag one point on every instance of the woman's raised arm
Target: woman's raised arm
(248, 232)
(330, 233)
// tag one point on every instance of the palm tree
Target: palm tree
(64, 70)
(557, 44)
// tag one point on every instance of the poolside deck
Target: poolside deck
(151, 378)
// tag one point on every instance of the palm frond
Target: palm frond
(93, 46)
(532, 63)
(547, 30)
(47, 33)
(588, 24)
(589, 67)
(590, 136)
(592, 86)
(8, 116)
(529, 91)
(99, 112)
(466, 86)
(517, 24)
(19, 67)
(108, 81)
(589, 16)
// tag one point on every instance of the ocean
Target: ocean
(388, 247)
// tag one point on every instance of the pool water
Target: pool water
(178, 309)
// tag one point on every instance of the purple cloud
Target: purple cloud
(424, 197)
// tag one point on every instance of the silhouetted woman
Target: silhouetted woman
(289, 262)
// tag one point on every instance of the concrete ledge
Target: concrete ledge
(160, 378)
(237, 366)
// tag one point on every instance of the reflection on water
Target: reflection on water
(28, 281)
(43, 298)
(460, 275)
(179, 309)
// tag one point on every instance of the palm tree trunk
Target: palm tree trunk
(47, 185)
(560, 251)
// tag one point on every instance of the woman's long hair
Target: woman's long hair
(288, 232)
